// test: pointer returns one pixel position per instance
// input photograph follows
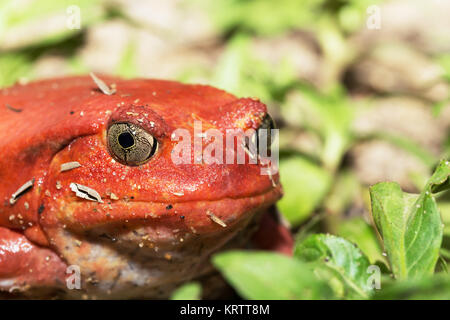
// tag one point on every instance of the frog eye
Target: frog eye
(130, 144)
(267, 123)
(263, 133)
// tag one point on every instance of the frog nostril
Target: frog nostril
(126, 140)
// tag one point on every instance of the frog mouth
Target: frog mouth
(201, 216)
(155, 247)
(127, 257)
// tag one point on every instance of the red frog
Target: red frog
(92, 203)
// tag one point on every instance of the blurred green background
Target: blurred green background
(355, 105)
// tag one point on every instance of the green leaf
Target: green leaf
(360, 232)
(340, 256)
(270, 276)
(440, 180)
(305, 185)
(428, 288)
(410, 224)
(13, 66)
(28, 24)
(188, 291)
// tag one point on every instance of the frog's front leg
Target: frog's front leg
(26, 267)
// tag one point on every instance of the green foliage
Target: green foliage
(328, 116)
(410, 224)
(305, 186)
(240, 72)
(322, 191)
(264, 275)
(342, 258)
(252, 16)
(361, 233)
(428, 288)
(16, 18)
(327, 266)
(14, 66)
(188, 291)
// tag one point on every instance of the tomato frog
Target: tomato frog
(92, 203)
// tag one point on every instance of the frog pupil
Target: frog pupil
(126, 140)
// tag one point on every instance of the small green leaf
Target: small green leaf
(440, 180)
(188, 291)
(428, 288)
(305, 184)
(270, 276)
(340, 256)
(360, 232)
(410, 224)
(13, 66)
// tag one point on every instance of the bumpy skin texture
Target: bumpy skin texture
(155, 233)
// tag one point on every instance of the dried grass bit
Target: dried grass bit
(8, 106)
(269, 173)
(85, 192)
(113, 196)
(215, 219)
(248, 152)
(21, 191)
(69, 166)
(102, 85)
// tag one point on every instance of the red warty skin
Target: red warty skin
(158, 223)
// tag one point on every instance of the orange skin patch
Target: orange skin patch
(48, 123)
